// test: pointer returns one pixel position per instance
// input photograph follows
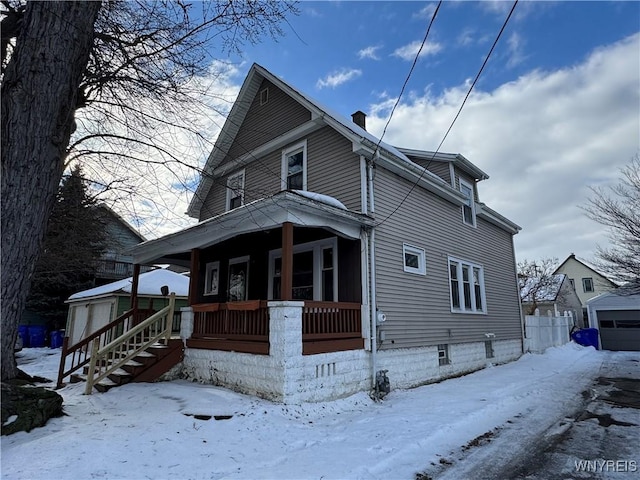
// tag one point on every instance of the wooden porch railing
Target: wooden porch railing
(106, 360)
(80, 353)
(236, 326)
(331, 327)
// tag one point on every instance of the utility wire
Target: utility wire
(415, 184)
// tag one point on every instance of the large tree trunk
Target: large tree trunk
(39, 92)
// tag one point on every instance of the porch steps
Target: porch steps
(147, 366)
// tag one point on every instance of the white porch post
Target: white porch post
(186, 323)
(285, 346)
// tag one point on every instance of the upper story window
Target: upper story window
(469, 208)
(573, 283)
(235, 190)
(587, 284)
(294, 167)
(414, 259)
(264, 96)
(466, 281)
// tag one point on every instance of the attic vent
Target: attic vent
(264, 96)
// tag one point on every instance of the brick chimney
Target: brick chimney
(360, 119)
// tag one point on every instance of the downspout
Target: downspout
(372, 282)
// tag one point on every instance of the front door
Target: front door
(238, 279)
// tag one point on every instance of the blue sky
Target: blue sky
(556, 111)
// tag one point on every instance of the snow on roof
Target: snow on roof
(149, 283)
(319, 197)
(531, 288)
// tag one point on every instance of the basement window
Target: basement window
(488, 347)
(443, 354)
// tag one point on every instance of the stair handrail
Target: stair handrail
(87, 341)
(102, 353)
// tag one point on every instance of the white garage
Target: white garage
(617, 318)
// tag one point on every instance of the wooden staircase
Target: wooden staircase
(123, 351)
(146, 366)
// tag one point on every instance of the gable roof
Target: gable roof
(364, 144)
(586, 265)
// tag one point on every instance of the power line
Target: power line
(406, 81)
(415, 184)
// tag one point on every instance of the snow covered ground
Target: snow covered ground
(182, 430)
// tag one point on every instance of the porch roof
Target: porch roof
(263, 214)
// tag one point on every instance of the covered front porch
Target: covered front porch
(256, 258)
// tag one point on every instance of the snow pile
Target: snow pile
(149, 283)
(319, 197)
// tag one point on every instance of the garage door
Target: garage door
(619, 329)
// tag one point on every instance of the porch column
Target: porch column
(134, 288)
(194, 275)
(286, 276)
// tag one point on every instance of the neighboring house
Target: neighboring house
(116, 262)
(617, 318)
(587, 281)
(92, 309)
(553, 299)
(325, 257)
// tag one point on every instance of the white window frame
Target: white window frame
(471, 202)
(264, 96)
(209, 288)
(284, 174)
(231, 190)
(459, 270)
(317, 247)
(584, 284)
(422, 259)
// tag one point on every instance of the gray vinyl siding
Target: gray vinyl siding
(265, 122)
(332, 169)
(418, 307)
(441, 169)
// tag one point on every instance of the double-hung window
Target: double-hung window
(315, 271)
(235, 190)
(294, 167)
(587, 284)
(466, 281)
(469, 208)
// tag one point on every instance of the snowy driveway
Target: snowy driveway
(179, 430)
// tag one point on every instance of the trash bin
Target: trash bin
(587, 337)
(37, 334)
(23, 331)
(55, 338)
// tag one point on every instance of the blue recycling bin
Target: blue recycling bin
(23, 331)
(587, 337)
(55, 338)
(37, 335)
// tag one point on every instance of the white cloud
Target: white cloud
(369, 52)
(408, 52)
(426, 11)
(543, 139)
(338, 78)
(515, 46)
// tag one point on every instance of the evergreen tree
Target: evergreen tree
(72, 247)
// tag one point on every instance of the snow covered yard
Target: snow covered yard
(182, 430)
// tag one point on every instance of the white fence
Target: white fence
(544, 332)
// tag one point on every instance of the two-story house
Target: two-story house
(324, 257)
(586, 280)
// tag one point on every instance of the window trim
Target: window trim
(472, 202)
(284, 172)
(584, 285)
(422, 259)
(208, 288)
(318, 247)
(459, 273)
(264, 96)
(230, 190)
